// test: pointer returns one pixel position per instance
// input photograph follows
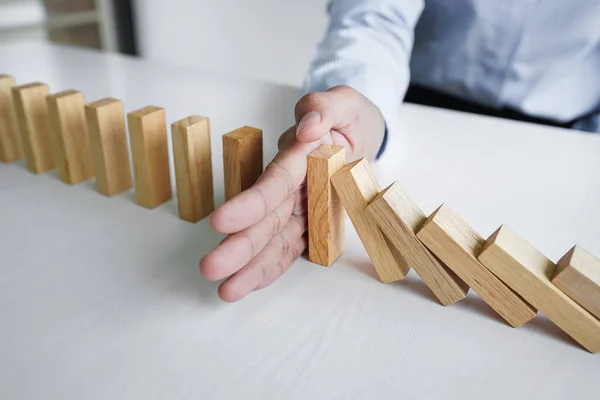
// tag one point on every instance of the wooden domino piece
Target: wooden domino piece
(325, 211)
(528, 272)
(193, 167)
(578, 276)
(149, 150)
(34, 126)
(70, 135)
(400, 218)
(454, 242)
(356, 185)
(108, 142)
(242, 159)
(10, 140)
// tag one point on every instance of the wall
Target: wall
(266, 39)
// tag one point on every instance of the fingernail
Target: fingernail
(309, 120)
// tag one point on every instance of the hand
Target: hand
(267, 223)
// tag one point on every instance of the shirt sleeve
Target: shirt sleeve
(367, 46)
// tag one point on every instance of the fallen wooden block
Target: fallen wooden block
(528, 272)
(578, 276)
(356, 185)
(193, 167)
(325, 211)
(72, 152)
(34, 126)
(149, 150)
(454, 242)
(108, 143)
(242, 159)
(10, 140)
(400, 218)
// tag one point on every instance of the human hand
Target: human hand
(267, 223)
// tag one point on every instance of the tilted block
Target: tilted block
(325, 211)
(529, 272)
(242, 159)
(400, 218)
(34, 126)
(108, 143)
(149, 150)
(10, 139)
(193, 167)
(70, 134)
(454, 242)
(356, 185)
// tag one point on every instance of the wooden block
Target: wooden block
(242, 159)
(454, 242)
(578, 276)
(325, 211)
(193, 167)
(356, 185)
(400, 218)
(149, 149)
(34, 126)
(70, 134)
(10, 140)
(528, 272)
(108, 143)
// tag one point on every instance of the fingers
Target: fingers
(240, 248)
(270, 263)
(318, 113)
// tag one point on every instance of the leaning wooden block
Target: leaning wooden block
(149, 150)
(578, 276)
(34, 125)
(10, 140)
(528, 272)
(70, 135)
(356, 185)
(242, 159)
(400, 218)
(454, 242)
(108, 143)
(325, 211)
(193, 167)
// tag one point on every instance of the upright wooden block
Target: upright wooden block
(34, 126)
(325, 211)
(108, 143)
(528, 272)
(10, 140)
(578, 276)
(193, 167)
(70, 135)
(242, 159)
(400, 218)
(356, 185)
(454, 242)
(149, 149)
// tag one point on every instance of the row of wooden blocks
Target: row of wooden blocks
(90, 140)
(507, 272)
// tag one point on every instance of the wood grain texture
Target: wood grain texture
(325, 211)
(149, 150)
(528, 272)
(34, 126)
(242, 159)
(193, 167)
(356, 185)
(72, 152)
(108, 143)
(578, 276)
(454, 242)
(10, 140)
(400, 218)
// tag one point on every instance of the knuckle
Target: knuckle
(311, 100)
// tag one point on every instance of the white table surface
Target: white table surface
(102, 299)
